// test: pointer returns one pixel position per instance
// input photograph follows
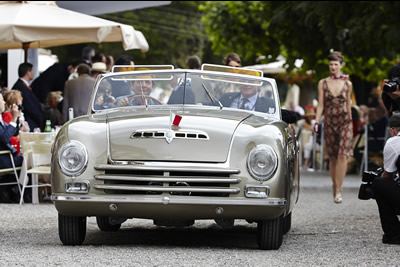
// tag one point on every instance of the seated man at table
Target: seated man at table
(6, 132)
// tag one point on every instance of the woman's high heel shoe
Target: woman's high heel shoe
(338, 198)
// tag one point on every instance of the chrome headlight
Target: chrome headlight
(72, 158)
(262, 162)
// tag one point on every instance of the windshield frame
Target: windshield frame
(185, 73)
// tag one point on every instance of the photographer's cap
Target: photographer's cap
(394, 121)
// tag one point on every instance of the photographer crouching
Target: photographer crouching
(386, 189)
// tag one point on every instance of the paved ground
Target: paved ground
(323, 234)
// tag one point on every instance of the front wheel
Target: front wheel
(270, 233)
(103, 222)
(71, 229)
(287, 223)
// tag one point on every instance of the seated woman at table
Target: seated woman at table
(6, 132)
(11, 98)
(8, 193)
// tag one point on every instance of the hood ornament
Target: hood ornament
(174, 121)
(169, 136)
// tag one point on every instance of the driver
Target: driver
(141, 94)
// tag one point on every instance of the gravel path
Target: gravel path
(323, 234)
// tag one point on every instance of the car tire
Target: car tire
(104, 224)
(270, 233)
(287, 223)
(71, 229)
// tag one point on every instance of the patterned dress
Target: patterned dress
(338, 125)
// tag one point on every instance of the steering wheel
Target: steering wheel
(145, 96)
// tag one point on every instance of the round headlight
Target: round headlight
(262, 162)
(72, 158)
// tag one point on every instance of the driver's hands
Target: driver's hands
(123, 102)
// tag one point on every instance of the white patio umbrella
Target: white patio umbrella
(41, 24)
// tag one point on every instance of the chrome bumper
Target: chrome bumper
(168, 200)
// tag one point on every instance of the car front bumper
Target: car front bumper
(164, 207)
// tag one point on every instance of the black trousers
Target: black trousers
(5, 161)
(387, 195)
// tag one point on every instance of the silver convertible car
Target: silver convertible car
(175, 146)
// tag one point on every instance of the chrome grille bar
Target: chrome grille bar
(141, 167)
(167, 179)
(168, 189)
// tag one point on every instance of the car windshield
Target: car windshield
(185, 88)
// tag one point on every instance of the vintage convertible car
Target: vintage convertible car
(175, 146)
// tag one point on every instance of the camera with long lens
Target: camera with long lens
(107, 97)
(391, 85)
(368, 177)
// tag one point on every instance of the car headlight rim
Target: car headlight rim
(72, 158)
(262, 162)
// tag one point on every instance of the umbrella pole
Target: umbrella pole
(25, 46)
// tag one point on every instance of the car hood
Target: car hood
(202, 135)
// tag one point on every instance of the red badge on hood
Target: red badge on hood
(177, 120)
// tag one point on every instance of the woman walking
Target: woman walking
(334, 101)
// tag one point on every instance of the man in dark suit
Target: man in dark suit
(52, 79)
(31, 104)
(248, 99)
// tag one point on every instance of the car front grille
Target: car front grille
(157, 180)
(197, 135)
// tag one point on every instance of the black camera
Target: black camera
(20, 107)
(368, 177)
(107, 97)
(391, 85)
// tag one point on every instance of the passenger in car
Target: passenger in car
(180, 91)
(104, 98)
(248, 99)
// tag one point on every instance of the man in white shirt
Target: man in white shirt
(386, 189)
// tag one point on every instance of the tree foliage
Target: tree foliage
(174, 32)
(366, 32)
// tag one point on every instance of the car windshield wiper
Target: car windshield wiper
(211, 96)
